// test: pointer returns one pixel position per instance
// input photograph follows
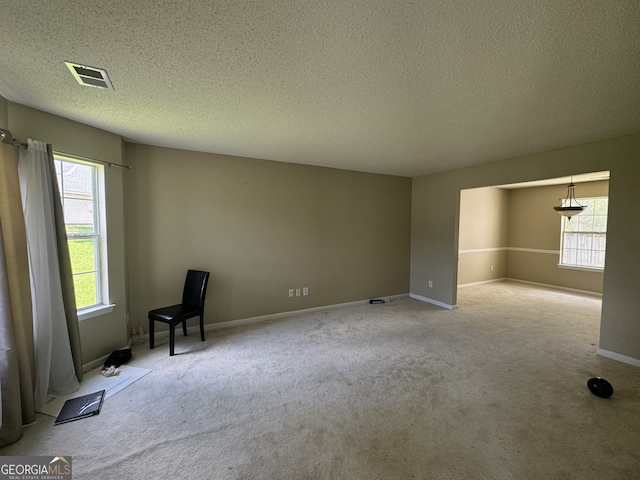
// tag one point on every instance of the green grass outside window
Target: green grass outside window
(83, 265)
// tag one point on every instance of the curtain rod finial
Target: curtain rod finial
(6, 136)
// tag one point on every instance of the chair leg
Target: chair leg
(172, 339)
(202, 327)
(151, 325)
(184, 327)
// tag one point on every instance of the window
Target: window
(584, 237)
(81, 186)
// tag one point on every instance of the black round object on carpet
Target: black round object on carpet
(600, 387)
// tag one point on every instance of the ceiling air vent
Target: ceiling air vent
(89, 76)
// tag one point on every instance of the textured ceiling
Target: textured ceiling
(404, 88)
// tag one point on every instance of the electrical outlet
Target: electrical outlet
(305, 291)
(297, 292)
(430, 284)
(291, 292)
(492, 268)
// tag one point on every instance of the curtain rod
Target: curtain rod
(79, 157)
(7, 138)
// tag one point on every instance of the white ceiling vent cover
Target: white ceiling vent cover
(89, 76)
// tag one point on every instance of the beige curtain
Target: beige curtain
(55, 319)
(66, 275)
(18, 376)
(17, 371)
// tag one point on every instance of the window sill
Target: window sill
(584, 269)
(87, 313)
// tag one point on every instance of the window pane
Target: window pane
(598, 259)
(601, 206)
(583, 257)
(77, 180)
(571, 240)
(571, 226)
(83, 263)
(599, 242)
(78, 215)
(86, 291)
(600, 224)
(584, 237)
(58, 165)
(569, 256)
(584, 242)
(83, 255)
(586, 222)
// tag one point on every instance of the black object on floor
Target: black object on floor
(376, 301)
(117, 358)
(600, 387)
(81, 407)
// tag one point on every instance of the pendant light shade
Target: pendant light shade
(570, 206)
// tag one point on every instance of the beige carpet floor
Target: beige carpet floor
(495, 389)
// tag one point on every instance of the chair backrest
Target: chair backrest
(195, 288)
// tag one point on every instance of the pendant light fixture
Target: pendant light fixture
(570, 206)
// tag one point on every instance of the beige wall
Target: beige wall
(261, 228)
(515, 233)
(435, 213)
(103, 334)
(482, 239)
(4, 113)
(540, 230)
(266, 227)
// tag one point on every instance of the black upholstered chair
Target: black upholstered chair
(193, 295)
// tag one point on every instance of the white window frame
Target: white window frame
(564, 262)
(103, 305)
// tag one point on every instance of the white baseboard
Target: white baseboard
(537, 284)
(99, 362)
(493, 280)
(431, 301)
(272, 316)
(87, 367)
(618, 357)
(262, 318)
(556, 287)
